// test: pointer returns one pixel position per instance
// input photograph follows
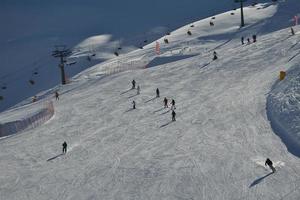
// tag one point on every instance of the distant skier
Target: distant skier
(270, 164)
(215, 56)
(248, 41)
(34, 98)
(133, 84)
(138, 89)
(211, 23)
(254, 38)
(166, 102)
(242, 40)
(292, 31)
(56, 95)
(157, 92)
(64, 147)
(173, 116)
(133, 104)
(173, 104)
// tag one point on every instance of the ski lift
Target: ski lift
(32, 82)
(166, 41)
(189, 32)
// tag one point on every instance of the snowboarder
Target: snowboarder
(138, 89)
(133, 84)
(173, 104)
(157, 92)
(270, 164)
(292, 31)
(248, 41)
(211, 23)
(173, 116)
(133, 104)
(254, 38)
(215, 56)
(64, 147)
(56, 95)
(242, 40)
(166, 102)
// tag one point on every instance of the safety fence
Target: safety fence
(32, 121)
(120, 66)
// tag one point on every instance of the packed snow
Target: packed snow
(216, 148)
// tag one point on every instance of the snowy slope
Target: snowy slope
(216, 148)
(31, 29)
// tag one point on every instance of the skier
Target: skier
(292, 31)
(215, 56)
(34, 98)
(270, 164)
(64, 147)
(173, 116)
(133, 104)
(56, 95)
(173, 104)
(138, 89)
(248, 41)
(254, 38)
(157, 92)
(133, 84)
(166, 102)
(242, 40)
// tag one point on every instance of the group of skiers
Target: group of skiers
(165, 101)
(248, 40)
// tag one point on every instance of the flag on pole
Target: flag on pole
(157, 48)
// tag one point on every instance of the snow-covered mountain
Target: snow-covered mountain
(215, 149)
(30, 29)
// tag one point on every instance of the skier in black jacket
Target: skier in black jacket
(64, 147)
(270, 164)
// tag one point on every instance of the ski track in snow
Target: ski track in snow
(215, 150)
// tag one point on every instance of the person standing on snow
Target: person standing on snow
(166, 102)
(157, 92)
(133, 104)
(292, 31)
(133, 84)
(254, 38)
(270, 164)
(64, 150)
(248, 41)
(215, 56)
(138, 89)
(242, 40)
(173, 104)
(173, 116)
(56, 95)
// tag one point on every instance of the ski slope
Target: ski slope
(216, 148)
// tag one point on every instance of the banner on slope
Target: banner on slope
(157, 48)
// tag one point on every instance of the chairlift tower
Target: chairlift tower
(242, 11)
(61, 52)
